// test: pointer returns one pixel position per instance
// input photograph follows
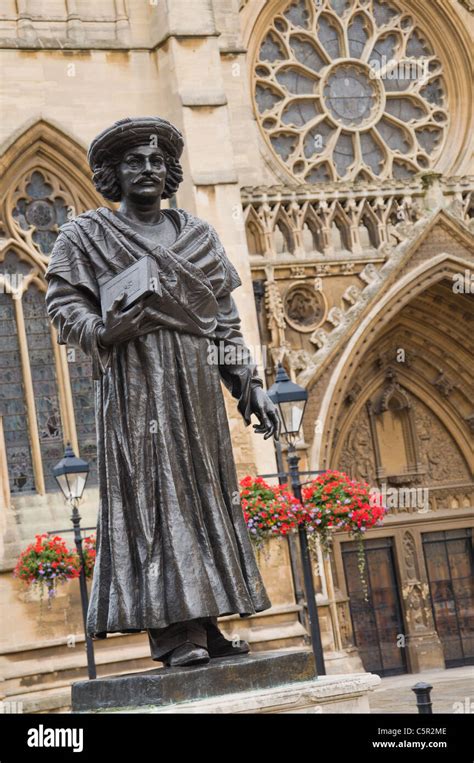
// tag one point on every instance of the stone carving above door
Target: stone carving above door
(438, 451)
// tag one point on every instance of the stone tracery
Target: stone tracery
(349, 89)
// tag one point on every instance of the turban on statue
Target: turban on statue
(135, 131)
(107, 149)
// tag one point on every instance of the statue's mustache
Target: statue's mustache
(147, 176)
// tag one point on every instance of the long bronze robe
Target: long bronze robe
(172, 543)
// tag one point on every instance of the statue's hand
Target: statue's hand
(120, 325)
(266, 413)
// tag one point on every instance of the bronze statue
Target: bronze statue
(173, 551)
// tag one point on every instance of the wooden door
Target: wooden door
(377, 623)
(450, 567)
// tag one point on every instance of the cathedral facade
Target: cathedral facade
(329, 143)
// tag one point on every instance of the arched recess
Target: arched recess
(421, 396)
(62, 161)
(338, 388)
(46, 180)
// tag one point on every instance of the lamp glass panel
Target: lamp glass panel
(62, 481)
(72, 485)
(292, 415)
(77, 484)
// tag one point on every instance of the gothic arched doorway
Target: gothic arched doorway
(403, 422)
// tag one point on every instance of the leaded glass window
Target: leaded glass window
(12, 402)
(82, 386)
(349, 88)
(45, 382)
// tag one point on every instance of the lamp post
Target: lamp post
(71, 474)
(291, 401)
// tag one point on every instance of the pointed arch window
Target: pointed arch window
(46, 390)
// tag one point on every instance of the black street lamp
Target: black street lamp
(71, 474)
(291, 401)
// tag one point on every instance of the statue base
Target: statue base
(272, 682)
(328, 694)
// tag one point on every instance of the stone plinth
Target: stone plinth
(328, 694)
(266, 682)
(162, 687)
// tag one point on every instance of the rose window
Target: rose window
(349, 89)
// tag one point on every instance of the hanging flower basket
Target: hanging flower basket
(270, 511)
(89, 553)
(45, 563)
(334, 503)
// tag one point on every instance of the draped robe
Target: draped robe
(172, 542)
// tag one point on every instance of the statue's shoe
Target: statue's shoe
(219, 646)
(186, 654)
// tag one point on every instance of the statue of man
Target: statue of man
(173, 551)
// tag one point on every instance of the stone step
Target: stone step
(56, 676)
(46, 701)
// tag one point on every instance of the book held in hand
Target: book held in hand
(140, 280)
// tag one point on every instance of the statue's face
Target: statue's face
(142, 173)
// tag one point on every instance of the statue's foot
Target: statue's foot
(219, 646)
(186, 654)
